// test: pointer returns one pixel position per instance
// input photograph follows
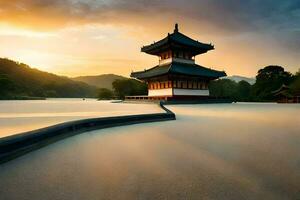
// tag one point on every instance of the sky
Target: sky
(91, 37)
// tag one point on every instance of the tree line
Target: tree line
(18, 80)
(268, 80)
(122, 88)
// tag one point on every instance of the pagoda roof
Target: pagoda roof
(283, 90)
(178, 69)
(177, 40)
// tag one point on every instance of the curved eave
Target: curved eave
(155, 49)
(177, 40)
(152, 72)
(179, 69)
(163, 48)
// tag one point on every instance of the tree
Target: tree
(105, 94)
(223, 88)
(243, 91)
(6, 86)
(129, 87)
(269, 79)
(295, 85)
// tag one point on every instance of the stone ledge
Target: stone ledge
(20, 144)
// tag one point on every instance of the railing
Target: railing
(146, 98)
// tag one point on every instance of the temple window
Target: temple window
(184, 85)
(174, 84)
(190, 84)
(179, 85)
(194, 85)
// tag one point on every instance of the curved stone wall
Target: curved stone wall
(18, 145)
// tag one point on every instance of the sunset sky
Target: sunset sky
(90, 37)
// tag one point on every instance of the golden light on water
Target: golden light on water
(21, 116)
(202, 154)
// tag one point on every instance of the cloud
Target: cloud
(228, 16)
(257, 26)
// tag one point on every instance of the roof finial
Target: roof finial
(176, 28)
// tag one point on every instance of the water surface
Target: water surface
(20, 116)
(224, 151)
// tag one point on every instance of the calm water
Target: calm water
(21, 116)
(229, 151)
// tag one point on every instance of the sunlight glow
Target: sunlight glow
(15, 32)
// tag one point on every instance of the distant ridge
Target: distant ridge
(237, 78)
(19, 80)
(100, 81)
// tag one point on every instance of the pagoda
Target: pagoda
(177, 76)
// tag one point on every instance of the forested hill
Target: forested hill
(101, 81)
(19, 80)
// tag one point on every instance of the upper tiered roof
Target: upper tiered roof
(177, 40)
(174, 65)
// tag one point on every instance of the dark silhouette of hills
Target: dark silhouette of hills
(100, 81)
(18, 81)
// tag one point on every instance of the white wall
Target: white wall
(191, 92)
(160, 92)
(180, 60)
(186, 92)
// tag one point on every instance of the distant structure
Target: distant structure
(283, 95)
(177, 76)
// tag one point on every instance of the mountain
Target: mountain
(19, 80)
(240, 78)
(100, 81)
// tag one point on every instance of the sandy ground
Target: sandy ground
(238, 151)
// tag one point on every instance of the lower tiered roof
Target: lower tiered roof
(178, 69)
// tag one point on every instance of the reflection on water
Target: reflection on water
(21, 116)
(229, 151)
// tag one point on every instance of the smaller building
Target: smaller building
(177, 76)
(283, 95)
